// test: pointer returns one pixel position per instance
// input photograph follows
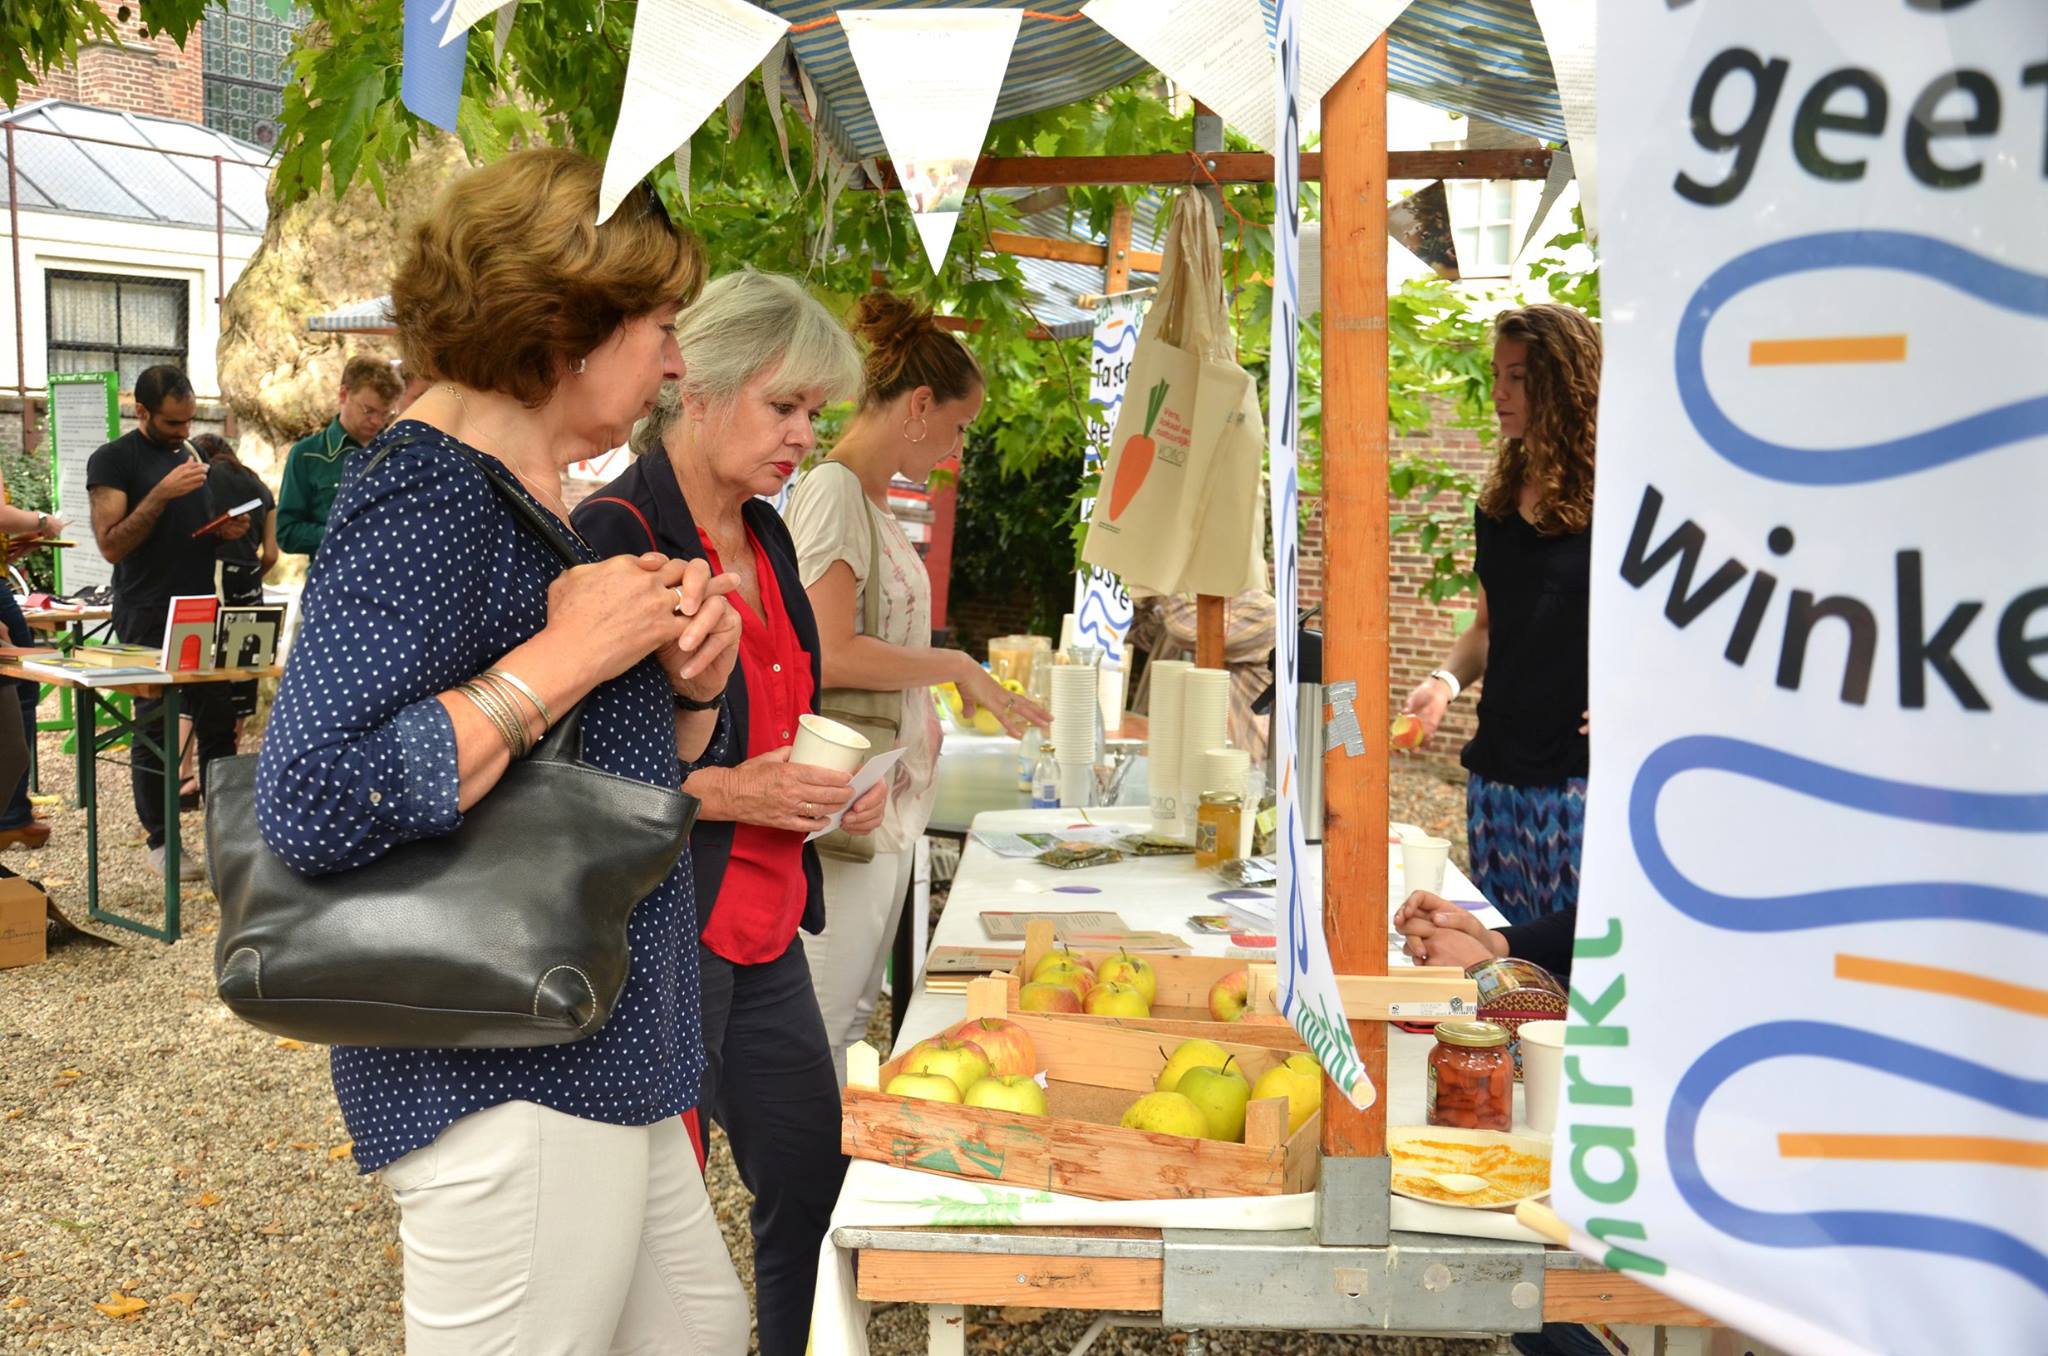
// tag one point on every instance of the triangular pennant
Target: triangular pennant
(735, 110)
(681, 160)
(430, 82)
(838, 174)
(771, 84)
(1215, 49)
(1484, 134)
(461, 16)
(1553, 189)
(932, 78)
(503, 34)
(686, 55)
(1569, 31)
(1334, 35)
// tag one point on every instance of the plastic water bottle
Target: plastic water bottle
(1045, 782)
(1027, 757)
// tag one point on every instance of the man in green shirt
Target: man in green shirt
(369, 393)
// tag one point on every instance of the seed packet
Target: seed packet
(1155, 845)
(1214, 924)
(1073, 856)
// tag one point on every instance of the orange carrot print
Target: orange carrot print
(1136, 461)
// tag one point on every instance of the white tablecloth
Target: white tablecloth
(1147, 893)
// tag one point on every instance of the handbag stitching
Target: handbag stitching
(588, 986)
(259, 964)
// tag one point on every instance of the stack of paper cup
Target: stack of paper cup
(1204, 725)
(1229, 770)
(1110, 680)
(1169, 681)
(1075, 705)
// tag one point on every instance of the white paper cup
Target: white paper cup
(1542, 1070)
(1169, 683)
(1110, 696)
(827, 743)
(1422, 863)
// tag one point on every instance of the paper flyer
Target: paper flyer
(1102, 605)
(1216, 49)
(871, 772)
(1569, 31)
(687, 56)
(932, 77)
(1308, 980)
(1806, 1077)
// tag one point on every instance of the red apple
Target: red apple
(1135, 971)
(1228, 995)
(1007, 1045)
(1079, 978)
(1048, 997)
(962, 1061)
(1406, 732)
(1117, 1000)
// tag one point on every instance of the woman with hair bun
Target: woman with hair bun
(922, 388)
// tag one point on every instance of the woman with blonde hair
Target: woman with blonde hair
(1525, 795)
(547, 1196)
(761, 359)
(921, 390)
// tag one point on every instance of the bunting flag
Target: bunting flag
(430, 82)
(1334, 35)
(462, 15)
(1569, 31)
(932, 77)
(686, 58)
(1214, 49)
(1553, 189)
(503, 34)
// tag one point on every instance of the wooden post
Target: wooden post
(1211, 615)
(1355, 559)
(1117, 274)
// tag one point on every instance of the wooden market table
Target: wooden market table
(67, 628)
(1197, 1278)
(88, 704)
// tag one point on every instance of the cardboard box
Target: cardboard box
(23, 926)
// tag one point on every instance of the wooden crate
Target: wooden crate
(1093, 1072)
(1181, 1007)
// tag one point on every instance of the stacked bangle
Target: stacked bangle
(524, 689)
(501, 714)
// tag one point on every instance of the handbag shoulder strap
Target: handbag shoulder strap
(871, 592)
(515, 500)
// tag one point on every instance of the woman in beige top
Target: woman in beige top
(922, 389)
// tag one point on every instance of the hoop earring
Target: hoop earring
(581, 363)
(922, 429)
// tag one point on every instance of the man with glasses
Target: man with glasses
(370, 390)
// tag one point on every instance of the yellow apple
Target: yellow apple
(1302, 1063)
(1045, 996)
(1166, 1113)
(1062, 960)
(1116, 1000)
(962, 1061)
(1136, 971)
(1406, 733)
(1222, 1094)
(1304, 1092)
(1189, 1055)
(1228, 995)
(1009, 1092)
(925, 1087)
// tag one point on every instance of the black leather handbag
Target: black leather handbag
(510, 931)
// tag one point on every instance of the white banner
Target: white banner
(1308, 983)
(687, 56)
(1102, 605)
(1807, 1073)
(932, 77)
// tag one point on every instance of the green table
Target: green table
(89, 705)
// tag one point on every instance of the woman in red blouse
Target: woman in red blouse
(761, 360)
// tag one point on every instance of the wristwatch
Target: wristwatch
(692, 704)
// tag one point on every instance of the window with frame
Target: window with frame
(100, 322)
(247, 53)
(1483, 218)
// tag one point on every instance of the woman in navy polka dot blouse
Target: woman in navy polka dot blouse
(548, 1197)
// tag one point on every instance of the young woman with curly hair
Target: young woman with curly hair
(1525, 795)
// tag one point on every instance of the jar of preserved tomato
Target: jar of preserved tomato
(1471, 1077)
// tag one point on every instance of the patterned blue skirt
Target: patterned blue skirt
(1525, 844)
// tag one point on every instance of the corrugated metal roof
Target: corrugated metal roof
(79, 172)
(1483, 57)
(363, 317)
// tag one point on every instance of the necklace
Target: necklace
(551, 500)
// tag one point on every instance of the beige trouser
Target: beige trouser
(530, 1231)
(863, 901)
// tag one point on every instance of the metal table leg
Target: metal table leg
(903, 965)
(127, 727)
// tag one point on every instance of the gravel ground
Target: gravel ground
(154, 1149)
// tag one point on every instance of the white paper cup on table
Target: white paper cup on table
(1542, 1071)
(1204, 725)
(1422, 862)
(1109, 691)
(1225, 769)
(828, 744)
(1077, 786)
(1169, 685)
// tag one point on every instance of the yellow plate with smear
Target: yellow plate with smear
(1515, 1167)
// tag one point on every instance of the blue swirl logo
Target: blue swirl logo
(1993, 283)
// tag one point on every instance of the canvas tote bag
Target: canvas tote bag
(1180, 488)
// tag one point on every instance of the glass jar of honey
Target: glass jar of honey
(1471, 1077)
(1219, 821)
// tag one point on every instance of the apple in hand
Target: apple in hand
(1229, 995)
(1406, 733)
(1116, 1000)
(924, 1087)
(962, 1061)
(1045, 996)
(1166, 1113)
(1009, 1092)
(1007, 1045)
(1189, 1055)
(1136, 971)
(1222, 1095)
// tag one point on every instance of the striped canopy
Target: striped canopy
(1483, 57)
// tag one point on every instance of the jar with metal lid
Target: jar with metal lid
(1219, 821)
(1471, 1077)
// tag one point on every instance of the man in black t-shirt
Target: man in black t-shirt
(148, 491)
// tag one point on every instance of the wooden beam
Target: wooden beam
(1118, 265)
(1044, 247)
(1232, 167)
(1600, 1296)
(1211, 622)
(1103, 1283)
(1355, 563)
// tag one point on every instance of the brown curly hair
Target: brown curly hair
(907, 349)
(510, 280)
(1555, 451)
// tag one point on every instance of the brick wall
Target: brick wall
(1420, 632)
(137, 74)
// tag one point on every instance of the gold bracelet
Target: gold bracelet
(487, 703)
(508, 699)
(525, 690)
